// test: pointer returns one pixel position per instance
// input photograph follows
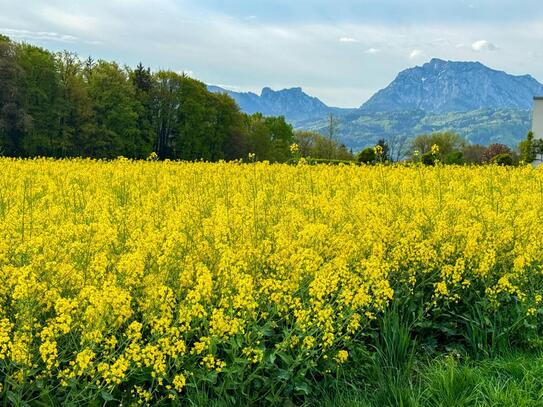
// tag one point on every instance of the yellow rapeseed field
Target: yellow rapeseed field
(139, 278)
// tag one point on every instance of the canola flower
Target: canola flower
(137, 276)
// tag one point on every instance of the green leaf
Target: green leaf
(283, 374)
(301, 388)
(286, 358)
(107, 396)
(13, 397)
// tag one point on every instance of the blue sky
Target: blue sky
(341, 51)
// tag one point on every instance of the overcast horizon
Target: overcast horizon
(341, 52)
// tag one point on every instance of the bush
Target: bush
(456, 157)
(503, 159)
(428, 158)
(446, 141)
(495, 149)
(366, 156)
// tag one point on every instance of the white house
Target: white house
(537, 125)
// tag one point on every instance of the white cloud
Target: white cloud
(233, 88)
(37, 35)
(70, 21)
(417, 53)
(229, 49)
(348, 39)
(483, 45)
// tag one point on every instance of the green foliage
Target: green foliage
(527, 148)
(393, 358)
(428, 158)
(269, 138)
(451, 385)
(361, 129)
(113, 101)
(281, 137)
(41, 97)
(454, 158)
(366, 156)
(315, 145)
(75, 112)
(447, 142)
(454, 150)
(14, 118)
(58, 105)
(513, 380)
(502, 159)
(495, 149)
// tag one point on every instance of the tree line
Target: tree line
(449, 148)
(59, 105)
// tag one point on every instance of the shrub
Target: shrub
(495, 149)
(503, 159)
(428, 158)
(366, 156)
(446, 141)
(456, 157)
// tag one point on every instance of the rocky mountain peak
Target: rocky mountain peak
(440, 86)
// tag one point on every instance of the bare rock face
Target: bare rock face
(445, 86)
(292, 103)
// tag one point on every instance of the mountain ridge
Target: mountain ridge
(293, 103)
(440, 86)
(484, 105)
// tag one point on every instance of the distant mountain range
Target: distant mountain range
(482, 104)
(296, 105)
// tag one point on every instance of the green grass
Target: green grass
(513, 380)
(478, 364)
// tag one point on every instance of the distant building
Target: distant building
(537, 125)
(537, 120)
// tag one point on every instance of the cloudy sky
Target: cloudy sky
(339, 50)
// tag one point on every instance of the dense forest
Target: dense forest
(59, 105)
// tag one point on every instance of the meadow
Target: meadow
(143, 282)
